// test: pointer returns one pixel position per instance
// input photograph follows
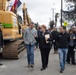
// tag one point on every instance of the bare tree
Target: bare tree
(71, 1)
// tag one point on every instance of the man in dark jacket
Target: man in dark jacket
(54, 36)
(38, 33)
(1, 40)
(74, 32)
(71, 52)
(63, 41)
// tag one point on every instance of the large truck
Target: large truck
(12, 30)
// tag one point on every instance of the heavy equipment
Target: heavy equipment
(12, 30)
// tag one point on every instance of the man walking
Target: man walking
(54, 36)
(74, 32)
(30, 41)
(1, 41)
(63, 41)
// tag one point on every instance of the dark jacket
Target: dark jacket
(63, 40)
(71, 42)
(54, 35)
(38, 32)
(1, 39)
(42, 42)
(75, 39)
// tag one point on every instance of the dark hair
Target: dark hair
(70, 30)
(63, 27)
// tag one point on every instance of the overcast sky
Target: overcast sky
(41, 10)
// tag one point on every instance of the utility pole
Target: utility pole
(61, 10)
(53, 11)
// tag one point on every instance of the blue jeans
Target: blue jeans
(62, 57)
(30, 53)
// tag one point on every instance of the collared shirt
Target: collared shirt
(29, 36)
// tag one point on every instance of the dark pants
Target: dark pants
(71, 54)
(55, 46)
(45, 57)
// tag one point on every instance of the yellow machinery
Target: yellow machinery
(12, 31)
(10, 26)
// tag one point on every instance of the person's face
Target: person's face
(55, 29)
(31, 26)
(38, 27)
(42, 29)
(71, 31)
(61, 29)
(74, 28)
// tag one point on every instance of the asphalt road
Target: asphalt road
(18, 67)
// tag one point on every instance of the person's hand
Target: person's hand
(3, 46)
(74, 38)
(35, 35)
(35, 48)
(47, 39)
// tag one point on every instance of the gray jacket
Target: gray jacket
(29, 36)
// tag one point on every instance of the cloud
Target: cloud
(40, 10)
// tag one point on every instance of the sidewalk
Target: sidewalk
(18, 67)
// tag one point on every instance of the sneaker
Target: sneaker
(46, 66)
(29, 66)
(32, 66)
(42, 69)
(68, 62)
(61, 71)
(1, 64)
(73, 63)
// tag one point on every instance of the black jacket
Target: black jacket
(42, 42)
(75, 39)
(54, 35)
(1, 39)
(63, 40)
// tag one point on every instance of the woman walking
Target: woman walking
(71, 52)
(44, 40)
